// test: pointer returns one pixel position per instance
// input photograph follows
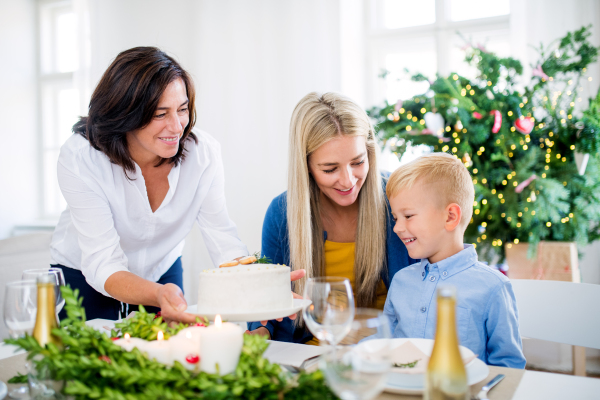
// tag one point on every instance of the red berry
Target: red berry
(105, 358)
(114, 338)
(158, 314)
(192, 358)
(200, 324)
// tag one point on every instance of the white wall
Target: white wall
(251, 62)
(18, 105)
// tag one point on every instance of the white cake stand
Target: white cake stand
(251, 315)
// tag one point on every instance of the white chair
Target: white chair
(18, 254)
(563, 312)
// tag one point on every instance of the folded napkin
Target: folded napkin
(299, 356)
(408, 353)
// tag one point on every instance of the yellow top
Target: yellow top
(339, 261)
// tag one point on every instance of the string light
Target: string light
(510, 113)
(408, 128)
(548, 224)
(423, 110)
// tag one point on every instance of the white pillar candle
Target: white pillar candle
(220, 344)
(128, 343)
(191, 332)
(186, 350)
(159, 350)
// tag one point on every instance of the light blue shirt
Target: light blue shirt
(486, 309)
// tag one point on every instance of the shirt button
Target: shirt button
(423, 309)
(445, 273)
(432, 278)
(422, 273)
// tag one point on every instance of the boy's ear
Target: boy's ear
(453, 216)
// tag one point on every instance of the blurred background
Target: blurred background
(251, 61)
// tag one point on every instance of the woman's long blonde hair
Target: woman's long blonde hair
(316, 120)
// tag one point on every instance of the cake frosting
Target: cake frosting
(244, 288)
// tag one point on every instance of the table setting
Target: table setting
(143, 356)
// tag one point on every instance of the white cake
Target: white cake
(244, 288)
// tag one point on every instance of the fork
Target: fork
(482, 395)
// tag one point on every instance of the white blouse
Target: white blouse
(108, 225)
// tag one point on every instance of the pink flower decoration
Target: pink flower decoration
(525, 183)
(539, 72)
(398, 105)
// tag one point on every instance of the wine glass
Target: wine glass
(358, 368)
(57, 278)
(20, 309)
(331, 312)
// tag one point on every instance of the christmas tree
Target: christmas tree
(533, 154)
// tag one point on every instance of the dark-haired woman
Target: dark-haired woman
(136, 178)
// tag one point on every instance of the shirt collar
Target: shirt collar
(451, 265)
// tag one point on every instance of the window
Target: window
(427, 36)
(62, 90)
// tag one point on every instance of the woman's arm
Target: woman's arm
(103, 262)
(130, 288)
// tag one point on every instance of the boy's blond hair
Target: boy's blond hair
(451, 178)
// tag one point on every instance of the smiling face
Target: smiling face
(340, 167)
(424, 224)
(160, 138)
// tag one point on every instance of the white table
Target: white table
(518, 385)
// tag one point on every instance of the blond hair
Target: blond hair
(316, 120)
(451, 178)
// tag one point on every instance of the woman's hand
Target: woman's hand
(261, 331)
(172, 304)
(294, 276)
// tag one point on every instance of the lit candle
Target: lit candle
(159, 350)
(128, 343)
(186, 349)
(220, 347)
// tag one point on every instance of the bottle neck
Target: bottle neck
(446, 321)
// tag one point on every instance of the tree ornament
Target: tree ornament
(434, 123)
(539, 72)
(581, 160)
(398, 106)
(497, 121)
(476, 115)
(525, 183)
(458, 126)
(467, 160)
(532, 196)
(525, 125)
(489, 94)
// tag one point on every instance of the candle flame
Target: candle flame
(218, 321)
(160, 336)
(127, 336)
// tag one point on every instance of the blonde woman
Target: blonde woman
(334, 219)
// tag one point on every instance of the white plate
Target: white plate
(3, 390)
(253, 315)
(400, 383)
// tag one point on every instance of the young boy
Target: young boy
(432, 202)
